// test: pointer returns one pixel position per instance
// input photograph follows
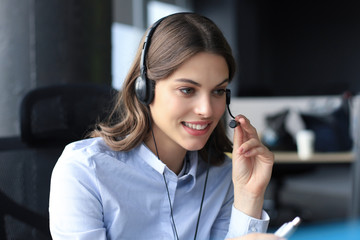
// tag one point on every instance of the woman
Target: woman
(157, 169)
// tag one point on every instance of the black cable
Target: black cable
(153, 136)
(230, 111)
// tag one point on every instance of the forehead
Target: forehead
(203, 66)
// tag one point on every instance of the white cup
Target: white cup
(305, 144)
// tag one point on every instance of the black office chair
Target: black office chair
(51, 117)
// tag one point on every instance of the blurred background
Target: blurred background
(296, 48)
(302, 57)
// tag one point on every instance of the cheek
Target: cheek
(167, 106)
(219, 109)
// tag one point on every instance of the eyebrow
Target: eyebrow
(198, 84)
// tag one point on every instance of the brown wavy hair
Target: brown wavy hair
(176, 39)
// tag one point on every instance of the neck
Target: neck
(172, 157)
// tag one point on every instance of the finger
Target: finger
(248, 145)
(249, 129)
(239, 136)
(258, 151)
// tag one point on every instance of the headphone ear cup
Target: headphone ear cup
(140, 89)
(151, 91)
(144, 90)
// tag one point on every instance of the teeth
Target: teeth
(196, 126)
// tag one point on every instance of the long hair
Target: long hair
(176, 39)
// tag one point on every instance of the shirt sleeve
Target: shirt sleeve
(242, 224)
(75, 207)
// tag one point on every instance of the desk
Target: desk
(288, 164)
(317, 158)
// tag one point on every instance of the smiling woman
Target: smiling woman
(144, 173)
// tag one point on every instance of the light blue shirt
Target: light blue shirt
(97, 193)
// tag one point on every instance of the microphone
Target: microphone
(233, 123)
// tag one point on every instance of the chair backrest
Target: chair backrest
(62, 113)
(51, 117)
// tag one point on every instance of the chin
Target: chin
(194, 147)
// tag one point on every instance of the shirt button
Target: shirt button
(253, 229)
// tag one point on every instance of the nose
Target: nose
(204, 106)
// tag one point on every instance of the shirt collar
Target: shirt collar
(151, 159)
(185, 168)
(189, 168)
(189, 176)
(193, 163)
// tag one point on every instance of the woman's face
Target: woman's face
(189, 103)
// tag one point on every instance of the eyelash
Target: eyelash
(220, 92)
(189, 91)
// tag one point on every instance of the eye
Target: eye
(219, 92)
(187, 90)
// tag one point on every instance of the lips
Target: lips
(196, 129)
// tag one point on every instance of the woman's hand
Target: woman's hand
(252, 167)
(258, 236)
